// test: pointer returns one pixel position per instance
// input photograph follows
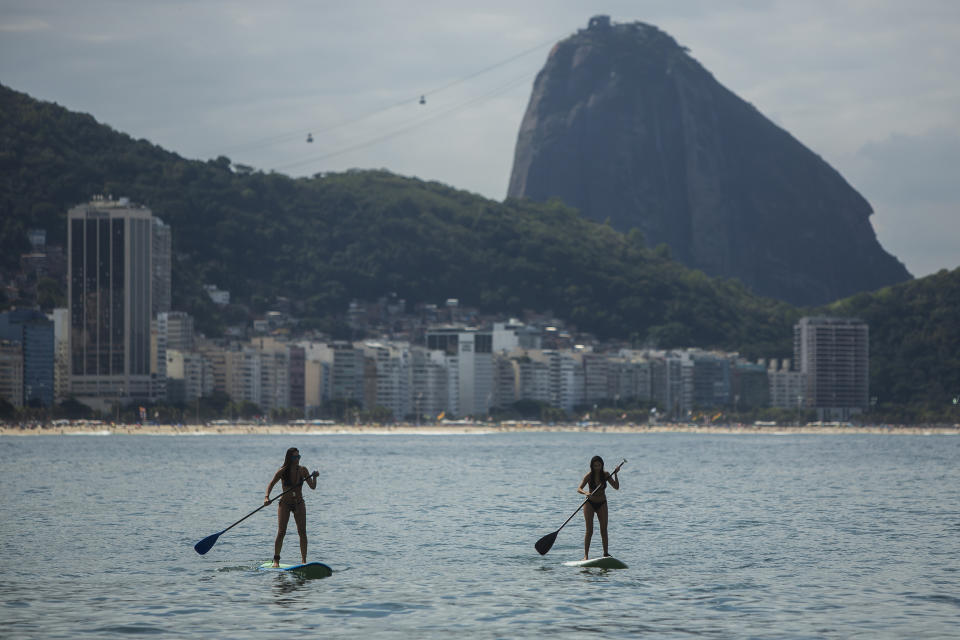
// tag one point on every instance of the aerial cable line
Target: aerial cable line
(415, 124)
(264, 142)
(490, 68)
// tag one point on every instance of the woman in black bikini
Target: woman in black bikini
(291, 475)
(596, 503)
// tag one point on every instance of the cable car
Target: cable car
(309, 137)
(423, 100)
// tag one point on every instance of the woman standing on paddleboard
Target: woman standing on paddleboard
(292, 476)
(597, 479)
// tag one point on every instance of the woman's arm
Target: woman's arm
(583, 483)
(276, 477)
(311, 478)
(613, 481)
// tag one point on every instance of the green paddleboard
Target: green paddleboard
(308, 570)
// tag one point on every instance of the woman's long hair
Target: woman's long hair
(594, 482)
(289, 467)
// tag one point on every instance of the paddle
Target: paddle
(543, 544)
(204, 545)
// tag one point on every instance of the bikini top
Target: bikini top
(594, 487)
(283, 479)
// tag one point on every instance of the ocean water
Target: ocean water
(747, 536)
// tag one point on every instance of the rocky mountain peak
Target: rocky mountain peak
(627, 127)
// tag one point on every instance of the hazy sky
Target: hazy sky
(871, 86)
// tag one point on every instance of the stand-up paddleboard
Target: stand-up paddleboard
(607, 562)
(308, 570)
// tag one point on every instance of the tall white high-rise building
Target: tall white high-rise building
(110, 298)
(469, 356)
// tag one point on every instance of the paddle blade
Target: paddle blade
(543, 544)
(204, 545)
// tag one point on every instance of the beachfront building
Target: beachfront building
(298, 376)
(34, 332)
(316, 385)
(512, 335)
(177, 328)
(214, 353)
(469, 360)
(834, 353)
(749, 386)
(11, 372)
(788, 387)
(568, 384)
(632, 376)
(61, 354)
(429, 383)
(110, 297)
(170, 330)
(388, 377)
(711, 379)
(187, 376)
(244, 379)
(534, 377)
(161, 269)
(596, 377)
(547, 376)
(504, 380)
(275, 372)
(275, 379)
(672, 382)
(341, 378)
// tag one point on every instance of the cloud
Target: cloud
(24, 25)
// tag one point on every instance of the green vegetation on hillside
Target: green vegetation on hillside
(363, 234)
(914, 346)
(323, 241)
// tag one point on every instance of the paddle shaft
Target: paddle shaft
(582, 504)
(269, 502)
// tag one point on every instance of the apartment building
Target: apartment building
(834, 355)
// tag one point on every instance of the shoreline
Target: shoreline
(461, 429)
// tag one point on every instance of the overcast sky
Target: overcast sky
(871, 86)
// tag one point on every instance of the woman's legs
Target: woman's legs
(602, 513)
(588, 516)
(283, 516)
(300, 517)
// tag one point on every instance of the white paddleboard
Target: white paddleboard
(608, 562)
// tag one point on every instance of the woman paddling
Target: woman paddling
(597, 479)
(291, 475)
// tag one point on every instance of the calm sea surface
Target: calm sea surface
(793, 536)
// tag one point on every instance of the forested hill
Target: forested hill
(362, 234)
(914, 343)
(326, 240)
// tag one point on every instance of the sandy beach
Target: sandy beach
(455, 429)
